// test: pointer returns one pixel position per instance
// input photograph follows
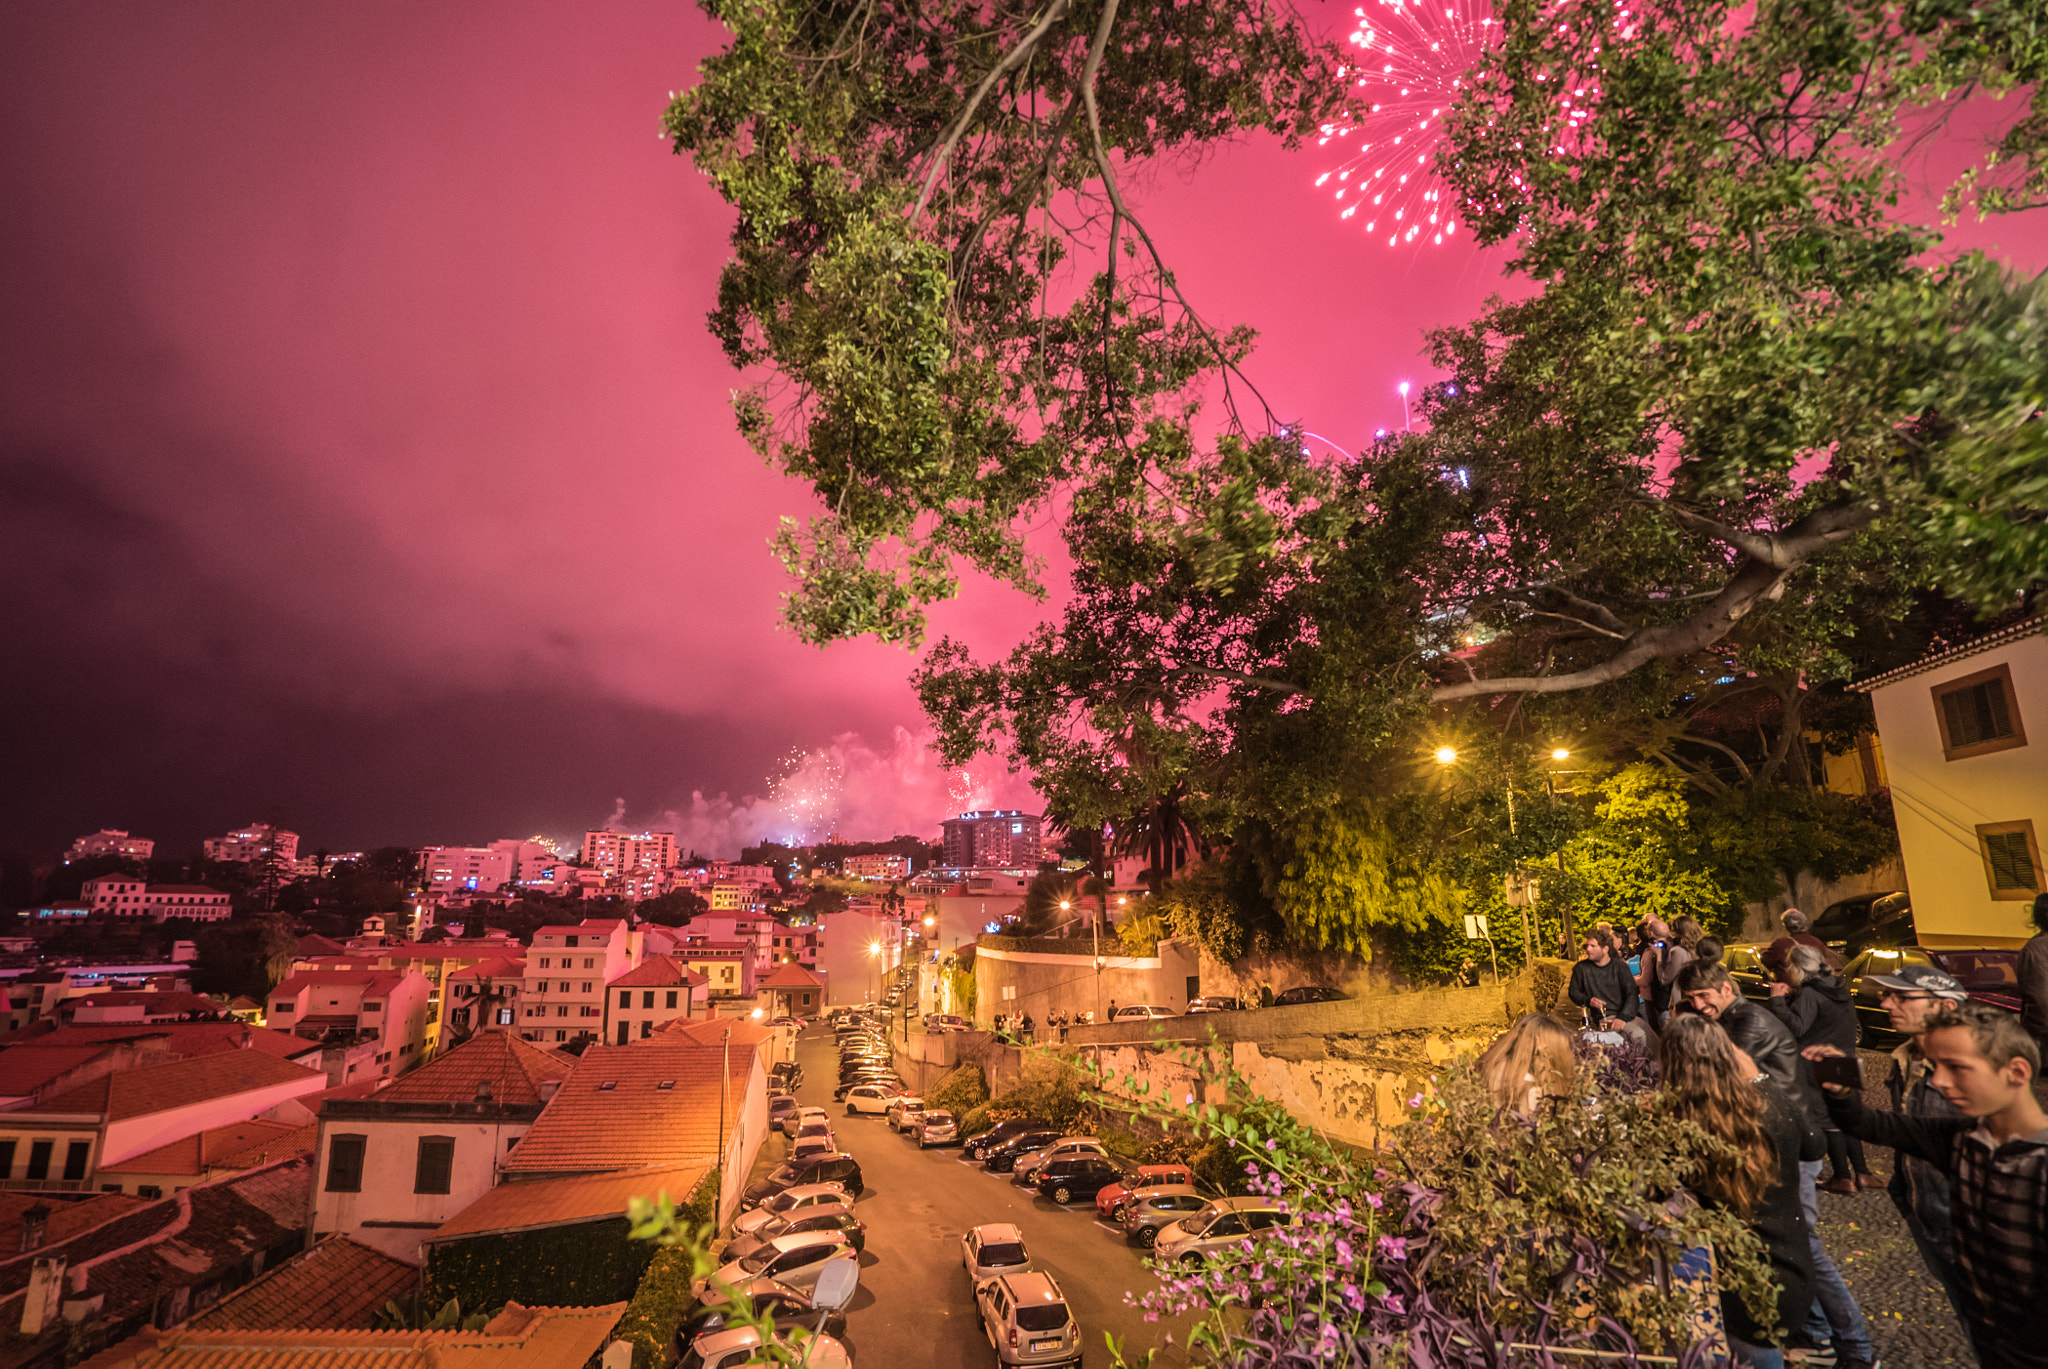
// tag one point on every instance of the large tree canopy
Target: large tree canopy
(1748, 412)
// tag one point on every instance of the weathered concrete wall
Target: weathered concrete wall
(1043, 977)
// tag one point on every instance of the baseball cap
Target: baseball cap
(1921, 979)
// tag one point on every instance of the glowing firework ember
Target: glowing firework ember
(807, 792)
(1411, 63)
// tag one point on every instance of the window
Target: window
(544, 962)
(7, 1158)
(280, 1007)
(647, 998)
(625, 998)
(671, 998)
(345, 1163)
(624, 1029)
(562, 1011)
(504, 1017)
(75, 1156)
(1978, 714)
(586, 986)
(39, 1158)
(2012, 859)
(435, 1166)
(150, 1191)
(589, 962)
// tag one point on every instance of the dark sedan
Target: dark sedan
(1857, 924)
(1079, 1179)
(979, 1145)
(1990, 974)
(1307, 993)
(1003, 1157)
(836, 1168)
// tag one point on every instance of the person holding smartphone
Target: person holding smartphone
(1813, 1003)
(1919, 1190)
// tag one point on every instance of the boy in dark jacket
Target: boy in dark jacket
(1996, 1158)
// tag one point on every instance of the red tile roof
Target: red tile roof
(635, 1122)
(215, 1149)
(517, 1338)
(570, 1199)
(498, 967)
(372, 981)
(66, 1219)
(175, 1083)
(657, 971)
(338, 1285)
(793, 977)
(711, 1031)
(148, 1001)
(514, 1069)
(26, 1068)
(178, 1038)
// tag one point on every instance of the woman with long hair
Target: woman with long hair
(1529, 1062)
(1710, 1083)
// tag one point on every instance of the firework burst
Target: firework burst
(1410, 64)
(807, 792)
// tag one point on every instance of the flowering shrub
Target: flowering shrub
(1483, 1239)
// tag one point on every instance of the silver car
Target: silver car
(802, 1118)
(1026, 1319)
(1066, 1148)
(992, 1250)
(903, 1110)
(936, 1128)
(796, 1260)
(836, 1217)
(741, 1345)
(1153, 1209)
(788, 1201)
(1219, 1226)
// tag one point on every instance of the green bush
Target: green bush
(650, 1320)
(588, 1264)
(960, 1092)
(1124, 1145)
(976, 1122)
(1219, 1167)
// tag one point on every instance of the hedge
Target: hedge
(588, 1264)
(663, 1298)
(960, 1092)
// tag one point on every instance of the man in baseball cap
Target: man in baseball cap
(1912, 995)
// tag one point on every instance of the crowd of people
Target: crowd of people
(1779, 1084)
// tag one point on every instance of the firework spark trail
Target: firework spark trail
(807, 792)
(1411, 64)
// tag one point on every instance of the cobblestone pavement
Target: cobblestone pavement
(1910, 1319)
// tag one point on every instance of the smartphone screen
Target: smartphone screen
(1839, 1069)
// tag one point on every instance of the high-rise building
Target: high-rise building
(617, 852)
(466, 869)
(999, 839)
(108, 842)
(257, 842)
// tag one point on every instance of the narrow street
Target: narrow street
(914, 1308)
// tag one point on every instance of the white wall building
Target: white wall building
(109, 842)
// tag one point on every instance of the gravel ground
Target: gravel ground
(1910, 1319)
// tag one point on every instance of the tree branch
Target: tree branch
(1792, 548)
(1011, 61)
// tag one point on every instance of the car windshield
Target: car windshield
(786, 1175)
(1001, 1252)
(1981, 969)
(1041, 1316)
(760, 1259)
(938, 1119)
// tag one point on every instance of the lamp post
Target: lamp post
(1448, 755)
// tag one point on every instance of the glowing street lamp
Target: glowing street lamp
(1560, 754)
(1445, 755)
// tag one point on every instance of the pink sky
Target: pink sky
(367, 464)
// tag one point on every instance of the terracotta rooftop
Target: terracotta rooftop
(514, 1069)
(175, 1083)
(792, 977)
(567, 1200)
(177, 1038)
(711, 1031)
(594, 926)
(26, 1068)
(218, 1148)
(150, 1001)
(312, 944)
(517, 1338)
(655, 1102)
(338, 1285)
(497, 967)
(66, 1219)
(657, 971)
(371, 981)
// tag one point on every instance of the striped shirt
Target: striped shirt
(1998, 1210)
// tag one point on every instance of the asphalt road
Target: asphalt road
(914, 1308)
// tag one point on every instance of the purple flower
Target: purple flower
(1395, 1305)
(1375, 1200)
(1272, 1145)
(1393, 1247)
(1343, 1252)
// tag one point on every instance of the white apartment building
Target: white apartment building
(568, 967)
(257, 841)
(614, 853)
(109, 842)
(876, 867)
(466, 869)
(126, 896)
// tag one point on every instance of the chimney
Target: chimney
(548, 1089)
(483, 1090)
(34, 1222)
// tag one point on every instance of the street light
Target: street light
(1445, 755)
(1560, 754)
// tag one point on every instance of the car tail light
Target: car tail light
(1013, 1338)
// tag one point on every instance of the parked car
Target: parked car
(946, 1022)
(1213, 1003)
(1026, 1319)
(935, 1127)
(804, 1146)
(841, 1169)
(787, 1071)
(796, 1023)
(1061, 1148)
(742, 1346)
(801, 1118)
(1854, 925)
(979, 1145)
(796, 1260)
(871, 1098)
(765, 1298)
(1146, 1214)
(1144, 1178)
(901, 1104)
(999, 1159)
(789, 1201)
(780, 1109)
(988, 1251)
(1223, 1223)
(1307, 993)
(1990, 974)
(1076, 1178)
(1139, 1012)
(1744, 962)
(837, 1217)
(881, 1079)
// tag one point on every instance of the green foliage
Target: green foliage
(975, 1121)
(961, 1092)
(1140, 932)
(659, 1305)
(1218, 908)
(585, 1265)
(966, 992)
(1347, 873)
(1642, 856)
(412, 1314)
(1759, 840)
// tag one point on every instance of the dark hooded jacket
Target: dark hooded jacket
(1819, 1013)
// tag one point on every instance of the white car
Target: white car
(997, 1248)
(788, 1201)
(812, 1145)
(871, 1099)
(1138, 1012)
(741, 1345)
(803, 1117)
(796, 1259)
(1066, 1148)
(902, 1110)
